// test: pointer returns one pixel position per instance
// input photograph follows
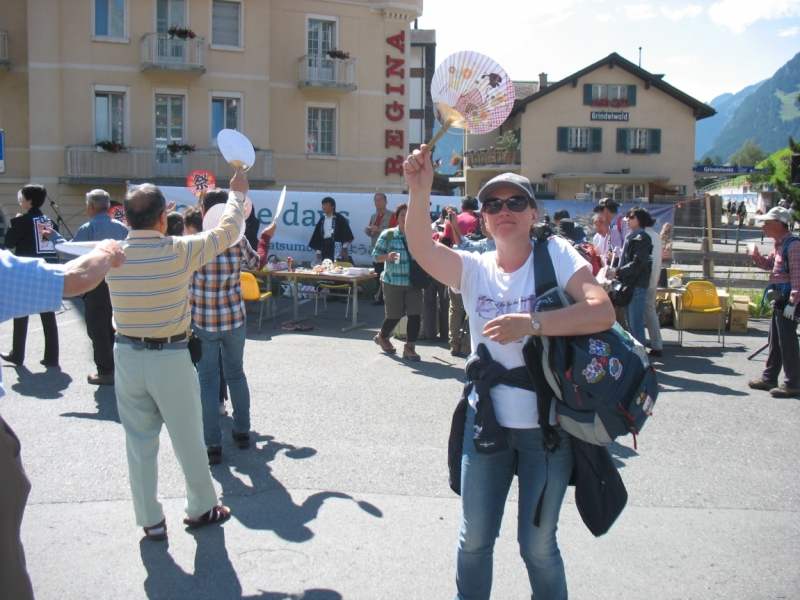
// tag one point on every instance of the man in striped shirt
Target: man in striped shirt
(219, 321)
(155, 380)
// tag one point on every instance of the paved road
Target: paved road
(345, 493)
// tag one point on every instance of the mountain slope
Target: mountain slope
(726, 106)
(769, 115)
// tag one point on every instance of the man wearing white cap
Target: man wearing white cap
(784, 289)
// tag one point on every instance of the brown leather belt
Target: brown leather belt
(168, 340)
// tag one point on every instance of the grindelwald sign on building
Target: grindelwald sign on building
(608, 116)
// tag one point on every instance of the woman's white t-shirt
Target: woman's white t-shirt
(487, 294)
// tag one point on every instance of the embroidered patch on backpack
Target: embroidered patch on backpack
(599, 347)
(615, 368)
(594, 371)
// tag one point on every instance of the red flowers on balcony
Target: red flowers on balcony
(181, 32)
(613, 103)
(112, 147)
(338, 54)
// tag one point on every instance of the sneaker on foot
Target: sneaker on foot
(100, 379)
(761, 384)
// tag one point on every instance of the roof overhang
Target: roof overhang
(608, 176)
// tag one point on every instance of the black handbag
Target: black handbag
(621, 293)
(419, 278)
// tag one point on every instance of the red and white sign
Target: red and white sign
(200, 181)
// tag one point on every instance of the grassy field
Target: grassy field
(756, 309)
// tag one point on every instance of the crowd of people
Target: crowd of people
(166, 318)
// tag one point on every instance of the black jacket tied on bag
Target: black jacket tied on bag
(483, 373)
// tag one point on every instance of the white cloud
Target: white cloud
(638, 12)
(792, 31)
(676, 14)
(738, 15)
(605, 18)
(680, 60)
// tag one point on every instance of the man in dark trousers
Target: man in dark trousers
(784, 289)
(29, 286)
(332, 235)
(26, 236)
(97, 302)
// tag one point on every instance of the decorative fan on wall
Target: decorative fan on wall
(471, 92)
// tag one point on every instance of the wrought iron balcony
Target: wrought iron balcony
(319, 70)
(87, 164)
(4, 62)
(161, 52)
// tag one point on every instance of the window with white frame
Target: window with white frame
(321, 36)
(225, 114)
(169, 119)
(637, 140)
(579, 139)
(109, 116)
(169, 13)
(109, 18)
(226, 23)
(321, 131)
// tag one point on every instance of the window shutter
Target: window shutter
(563, 139)
(225, 23)
(655, 141)
(631, 95)
(587, 94)
(622, 140)
(596, 139)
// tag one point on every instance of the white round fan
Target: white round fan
(236, 149)
(472, 92)
(214, 216)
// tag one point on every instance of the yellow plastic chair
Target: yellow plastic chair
(334, 289)
(701, 297)
(251, 293)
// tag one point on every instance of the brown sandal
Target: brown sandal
(385, 344)
(157, 531)
(218, 514)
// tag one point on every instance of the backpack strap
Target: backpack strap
(544, 274)
(619, 224)
(785, 253)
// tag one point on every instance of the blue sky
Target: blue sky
(702, 48)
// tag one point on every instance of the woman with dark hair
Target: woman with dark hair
(399, 296)
(25, 234)
(637, 263)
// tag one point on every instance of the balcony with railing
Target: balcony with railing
(4, 62)
(162, 52)
(320, 70)
(88, 165)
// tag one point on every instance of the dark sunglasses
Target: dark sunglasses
(495, 205)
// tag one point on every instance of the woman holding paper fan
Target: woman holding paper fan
(500, 428)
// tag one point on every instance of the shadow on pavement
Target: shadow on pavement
(47, 385)
(280, 515)
(214, 577)
(619, 452)
(106, 400)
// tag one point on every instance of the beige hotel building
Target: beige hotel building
(331, 93)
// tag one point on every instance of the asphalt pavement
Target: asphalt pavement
(344, 493)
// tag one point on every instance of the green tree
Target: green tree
(717, 160)
(750, 154)
(707, 162)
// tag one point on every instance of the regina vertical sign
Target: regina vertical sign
(395, 110)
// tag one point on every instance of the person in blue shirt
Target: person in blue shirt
(97, 302)
(30, 286)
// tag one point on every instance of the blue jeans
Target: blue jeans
(485, 481)
(232, 344)
(634, 314)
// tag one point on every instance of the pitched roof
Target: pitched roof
(701, 109)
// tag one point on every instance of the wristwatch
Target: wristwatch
(536, 325)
